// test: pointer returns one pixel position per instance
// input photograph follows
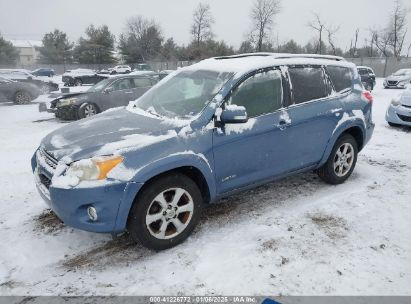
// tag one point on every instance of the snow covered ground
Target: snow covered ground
(297, 236)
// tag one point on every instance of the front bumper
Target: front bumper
(111, 199)
(398, 115)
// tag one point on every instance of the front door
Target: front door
(253, 151)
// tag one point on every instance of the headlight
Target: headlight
(95, 168)
(395, 102)
(67, 102)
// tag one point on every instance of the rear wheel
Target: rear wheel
(166, 212)
(341, 161)
(78, 82)
(22, 97)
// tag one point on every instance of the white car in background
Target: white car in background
(400, 79)
(121, 69)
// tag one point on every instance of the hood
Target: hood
(405, 98)
(106, 133)
(66, 95)
(398, 78)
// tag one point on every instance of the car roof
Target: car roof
(244, 63)
(363, 67)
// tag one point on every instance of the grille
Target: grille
(50, 160)
(45, 180)
(392, 82)
(404, 118)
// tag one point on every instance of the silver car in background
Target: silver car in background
(399, 111)
(398, 80)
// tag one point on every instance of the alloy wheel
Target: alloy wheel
(89, 110)
(169, 213)
(343, 159)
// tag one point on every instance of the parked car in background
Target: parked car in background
(399, 110)
(43, 72)
(121, 69)
(79, 77)
(143, 67)
(22, 75)
(109, 93)
(398, 80)
(367, 77)
(17, 92)
(210, 130)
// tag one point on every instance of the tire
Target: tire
(22, 97)
(78, 82)
(87, 110)
(44, 89)
(368, 87)
(151, 222)
(336, 170)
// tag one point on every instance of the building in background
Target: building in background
(27, 49)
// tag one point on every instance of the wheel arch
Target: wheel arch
(196, 171)
(354, 128)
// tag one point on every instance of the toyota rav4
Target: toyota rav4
(204, 132)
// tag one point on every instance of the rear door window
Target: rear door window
(260, 94)
(142, 82)
(308, 83)
(341, 77)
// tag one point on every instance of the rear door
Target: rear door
(314, 112)
(141, 85)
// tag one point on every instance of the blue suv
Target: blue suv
(204, 132)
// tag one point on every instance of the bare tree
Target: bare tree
(202, 23)
(331, 31)
(398, 28)
(318, 26)
(262, 15)
(141, 40)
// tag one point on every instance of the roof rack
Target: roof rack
(282, 56)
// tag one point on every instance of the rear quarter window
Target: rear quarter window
(308, 83)
(341, 77)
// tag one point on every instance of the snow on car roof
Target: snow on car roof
(248, 62)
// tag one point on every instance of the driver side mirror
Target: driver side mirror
(234, 114)
(108, 90)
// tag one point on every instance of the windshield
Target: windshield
(99, 85)
(402, 72)
(185, 94)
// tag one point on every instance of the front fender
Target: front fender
(341, 127)
(155, 168)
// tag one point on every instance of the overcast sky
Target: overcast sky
(29, 19)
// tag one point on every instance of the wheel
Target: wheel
(166, 212)
(87, 110)
(22, 97)
(44, 89)
(341, 161)
(128, 71)
(78, 82)
(368, 87)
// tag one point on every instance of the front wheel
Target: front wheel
(166, 212)
(87, 110)
(341, 161)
